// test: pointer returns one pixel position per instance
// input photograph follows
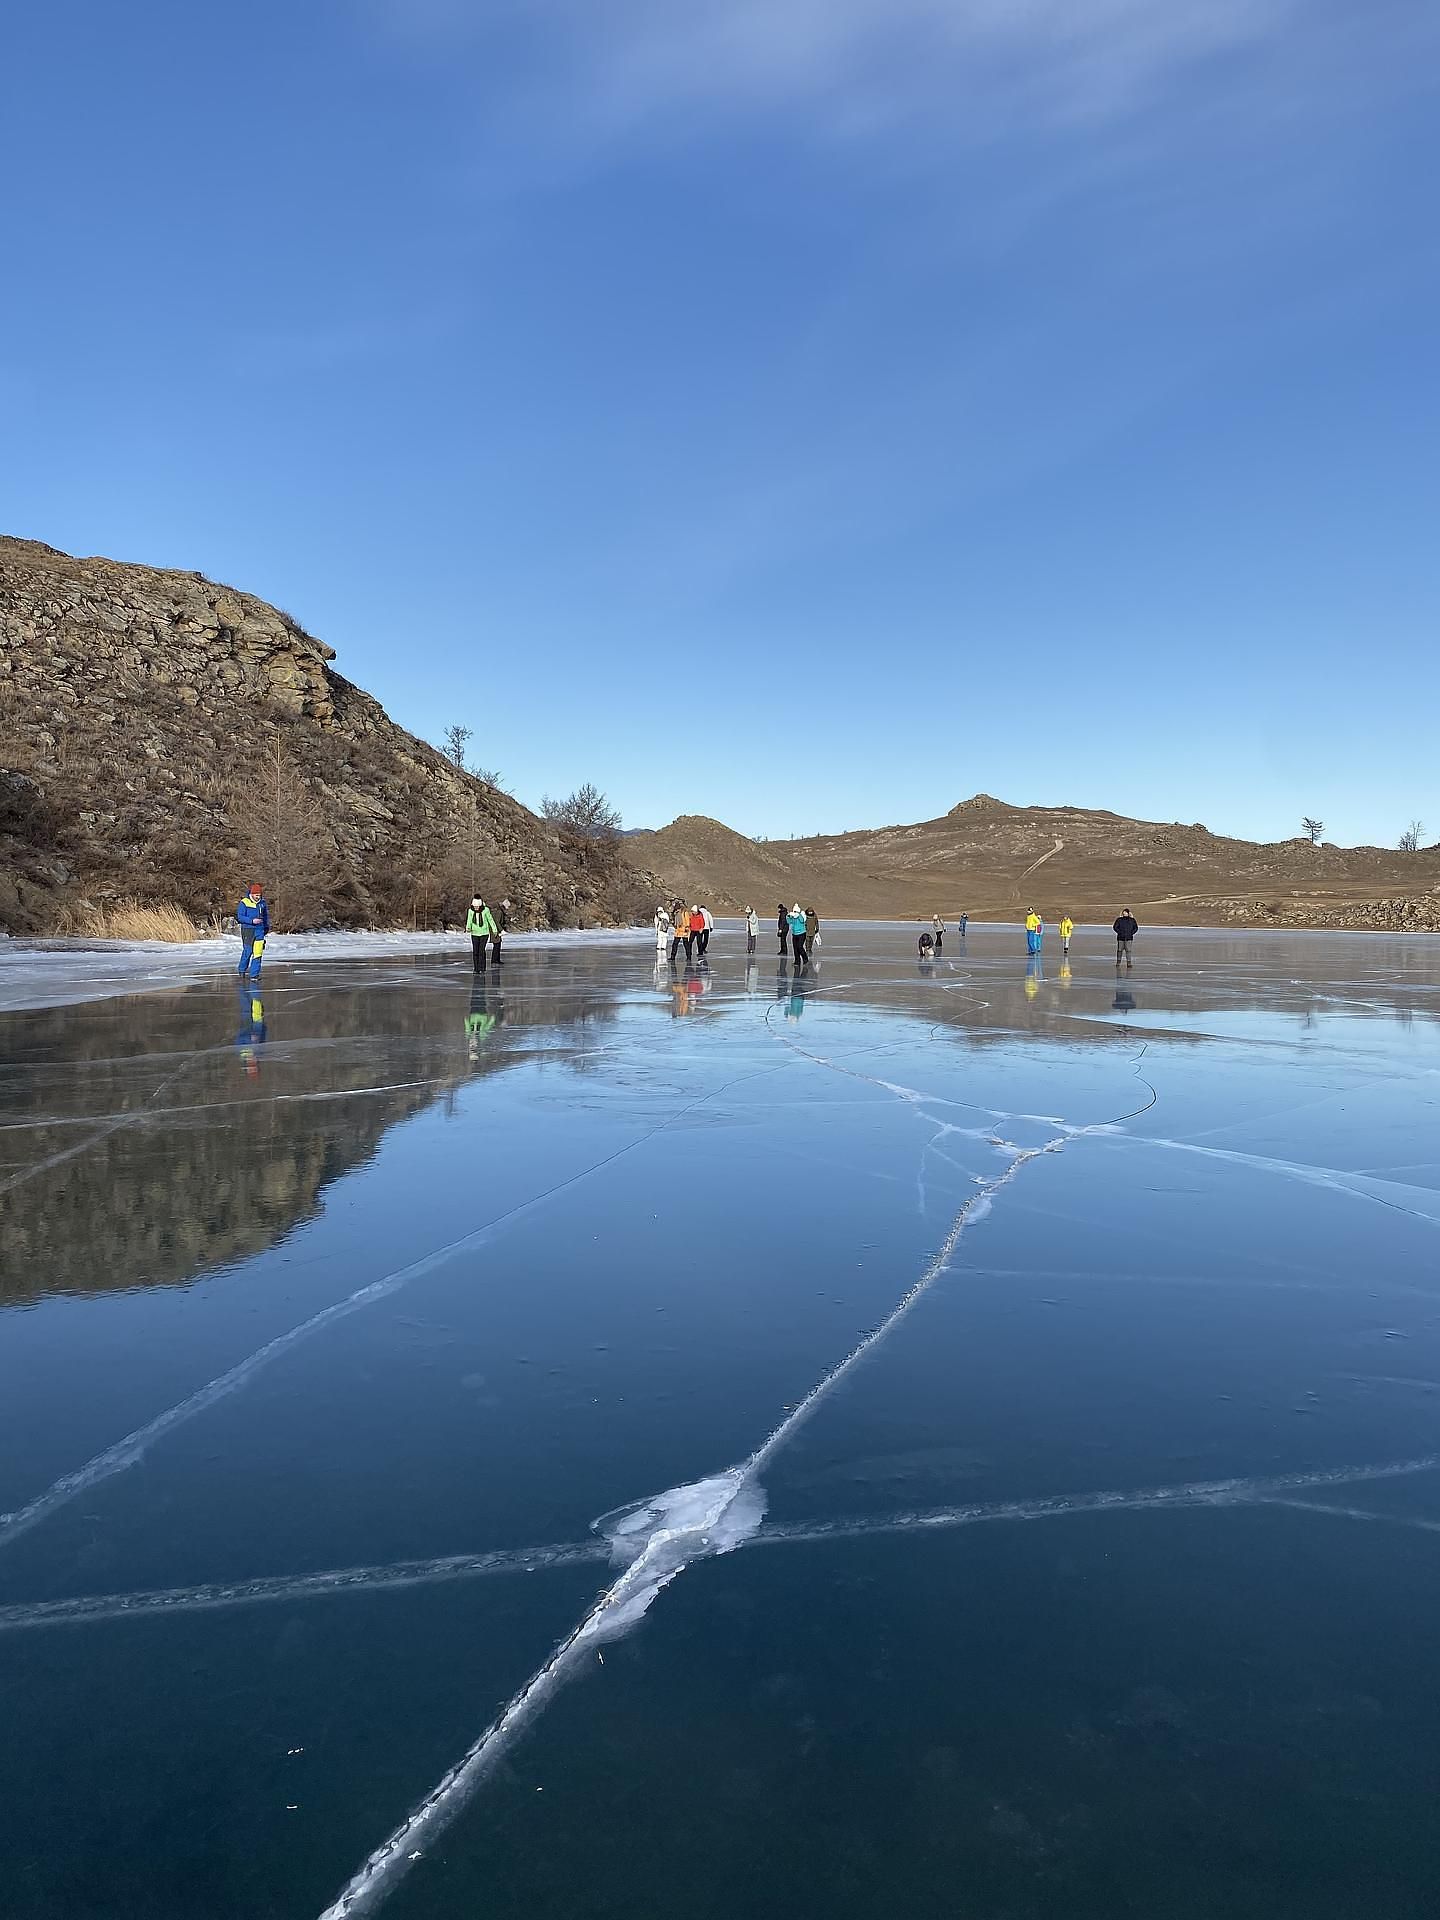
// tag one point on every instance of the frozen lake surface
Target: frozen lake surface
(953, 1442)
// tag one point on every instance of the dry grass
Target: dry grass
(129, 920)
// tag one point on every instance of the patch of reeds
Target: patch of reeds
(128, 920)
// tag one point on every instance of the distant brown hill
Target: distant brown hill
(994, 861)
(165, 739)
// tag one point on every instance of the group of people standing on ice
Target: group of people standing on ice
(678, 925)
(1035, 931)
(1125, 927)
(800, 927)
(797, 927)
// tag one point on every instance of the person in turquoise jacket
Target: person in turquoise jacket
(797, 935)
(252, 916)
(480, 925)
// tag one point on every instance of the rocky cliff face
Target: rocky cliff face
(160, 735)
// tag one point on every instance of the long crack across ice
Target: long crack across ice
(624, 1535)
(661, 1537)
(686, 1523)
(84, 1609)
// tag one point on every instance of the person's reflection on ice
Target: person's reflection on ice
(481, 1018)
(685, 993)
(251, 1037)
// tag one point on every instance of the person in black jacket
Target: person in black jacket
(1126, 928)
(782, 927)
(502, 927)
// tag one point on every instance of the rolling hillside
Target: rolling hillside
(995, 861)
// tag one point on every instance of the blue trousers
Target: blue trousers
(1032, 942)
(251, 949)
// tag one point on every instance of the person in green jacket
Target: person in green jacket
(480, 925)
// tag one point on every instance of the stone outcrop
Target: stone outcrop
(146, 718)
(1417, 913)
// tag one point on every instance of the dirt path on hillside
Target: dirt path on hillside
(1059, 847)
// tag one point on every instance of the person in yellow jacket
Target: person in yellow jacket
(1034, 931)
(1067, 927)
(480, 925)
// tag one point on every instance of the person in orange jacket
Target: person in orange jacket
(681, 929)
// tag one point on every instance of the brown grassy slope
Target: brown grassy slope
(161, 735)
(995, 861)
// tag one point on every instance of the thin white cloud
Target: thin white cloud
(857, 64)
(879, 58)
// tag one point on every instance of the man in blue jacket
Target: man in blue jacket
(253, 918)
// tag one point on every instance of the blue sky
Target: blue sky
(807, 412)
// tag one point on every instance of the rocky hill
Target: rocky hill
(995, 861)
(162, 736)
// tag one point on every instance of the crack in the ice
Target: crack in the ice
(82, 1610)
(1336, 1179)
(1334, 1512)
(729, 1498)
(1276, 1490)
(694, 1522)
(114, 1125)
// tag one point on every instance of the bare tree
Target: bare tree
(285, 840)
(589, 830)
(492, 778)
(1312, 829)
(586, 812)
(456, 738)
(1412, 836)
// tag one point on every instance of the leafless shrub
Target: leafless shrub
(454, 741)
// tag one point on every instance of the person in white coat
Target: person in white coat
(662, 930)
(752, 929)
